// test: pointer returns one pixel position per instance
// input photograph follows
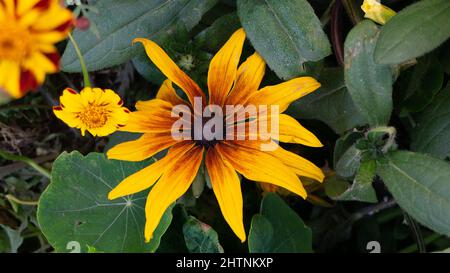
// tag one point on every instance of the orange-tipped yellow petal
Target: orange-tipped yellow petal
(146, 177)
(285, 93)
(291, 131)
(173, 183)
(167, 93)
(248, 79)
(142, 148)
(153, 116)
(298, 164)
(261, 166)
(168, 67)
(227, 188)
(223, 67)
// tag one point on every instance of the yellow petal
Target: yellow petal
(167, 93)
(291, 131)
(227, 188)
(377, 12)
(69, 118)
(223, 67)
(154, 116)
(298, 164)
(170, 69)
(53, 17)
(71, 100)
(285, 93)
(173, 183)
(248, 79)
(142, 148)
(146, 177)
(10, 78)
(261, 167)
(24, 6)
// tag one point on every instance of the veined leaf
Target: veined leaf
(331, 103)
(75, 209)
(432, 134)
(286, 33)
(414, 31)
(420, 185)
(369, 84)
(120, 21)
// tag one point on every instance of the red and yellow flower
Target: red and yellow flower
(228, 84)
(98, 111)
(29, 30)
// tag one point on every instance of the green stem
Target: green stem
(87, 82)
(21, 202)
(353, 10)
(428, 240)
(26, 160)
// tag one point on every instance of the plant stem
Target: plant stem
(21, 202)
(87, 82)
(26, 160)
(428, 240)
(336, 35)
(353, 10)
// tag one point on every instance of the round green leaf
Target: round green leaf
(75, 210)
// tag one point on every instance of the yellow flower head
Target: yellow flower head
(377, 12)
(229, 84)
(93, 109)
(28, 31)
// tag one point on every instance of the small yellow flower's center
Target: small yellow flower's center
(94, 116)
(15, 42)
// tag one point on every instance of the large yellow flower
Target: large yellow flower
(228, 84)
(28, 31)
(93, 109)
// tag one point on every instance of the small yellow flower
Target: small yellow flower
(377, 12)
(28, 31)
(229, 84)
(93, 109)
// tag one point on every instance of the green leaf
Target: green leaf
(420, 185)
(331, 103)
(348, 164)
(344, 143)
(285, 33)
(414, 31)
(278, 229)
(75, 207)
(424, 81)
(369, 84)
(335, 186)
(215, 36)
(432, 134)
(120, 21)
(200, 238)
(361, 189)
(14, 238)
